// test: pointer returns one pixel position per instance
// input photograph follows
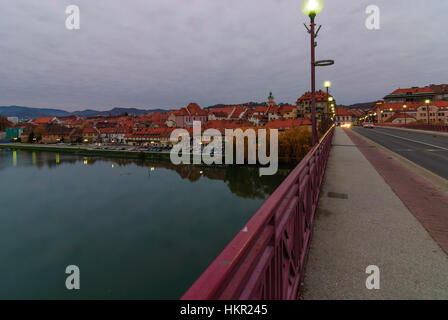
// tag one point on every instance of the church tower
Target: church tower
(271, 102)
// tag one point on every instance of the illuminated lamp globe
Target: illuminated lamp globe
(312, 7)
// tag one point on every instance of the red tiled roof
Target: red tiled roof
(89, 130)
(226, 124)
(321, 96)
(181, 112)
(238, 112)
(287, 124)
(220, 114)
(342, 112)
(226, 110)
(262, 109)
(356, 112)
(398, 106)
(195, 110)
(412, 90)
(43, 120)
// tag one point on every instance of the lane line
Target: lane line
(415, 141)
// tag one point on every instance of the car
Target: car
(368, 125)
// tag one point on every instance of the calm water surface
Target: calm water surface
(136, 229)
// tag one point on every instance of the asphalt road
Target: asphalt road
(427, 150)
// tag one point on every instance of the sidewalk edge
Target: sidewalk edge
(437, 181)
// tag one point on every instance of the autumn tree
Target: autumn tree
(4, 123)
(38, 132)
(294, 144)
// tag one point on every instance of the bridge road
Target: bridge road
(427, 150)
(361, 221)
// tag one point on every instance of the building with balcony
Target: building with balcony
(323, 105)
(414, 94)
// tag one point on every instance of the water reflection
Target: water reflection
(137, 229)
(243, 181)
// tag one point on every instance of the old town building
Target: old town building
(414, 94)
(323, 104)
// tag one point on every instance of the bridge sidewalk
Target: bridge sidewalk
(362, 222)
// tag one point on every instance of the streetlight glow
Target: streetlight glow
(327, 84)
(312, 7)
(427, 101)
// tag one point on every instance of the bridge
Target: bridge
(354, 201)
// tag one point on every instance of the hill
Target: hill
(24, 113)
(30, 113)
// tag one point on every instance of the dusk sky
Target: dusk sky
(167, 53)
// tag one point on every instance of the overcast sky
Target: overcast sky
(167, 53)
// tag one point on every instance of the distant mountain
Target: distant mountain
(117, 112)
(30, 113)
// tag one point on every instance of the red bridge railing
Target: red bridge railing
(265, 261)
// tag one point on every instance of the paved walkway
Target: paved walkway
(362, 222)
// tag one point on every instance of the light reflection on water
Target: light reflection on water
(136, 229)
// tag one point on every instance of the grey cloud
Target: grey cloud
(154, 53)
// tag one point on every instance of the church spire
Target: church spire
(271, 101)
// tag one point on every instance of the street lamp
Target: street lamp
(427, 102)
(327, 84)
(404, 108)
(311, 8)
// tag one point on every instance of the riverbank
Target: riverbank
(88, 152)
(142, 155)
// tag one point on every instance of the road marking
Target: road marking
(415, 141)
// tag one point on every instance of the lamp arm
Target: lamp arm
(308, 29)
(317, 32)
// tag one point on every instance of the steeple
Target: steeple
(271, 102)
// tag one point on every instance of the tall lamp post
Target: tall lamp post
(427, 102)
(311, 8)
(327, 85)
(404, 109)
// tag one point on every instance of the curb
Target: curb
(437, 133)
